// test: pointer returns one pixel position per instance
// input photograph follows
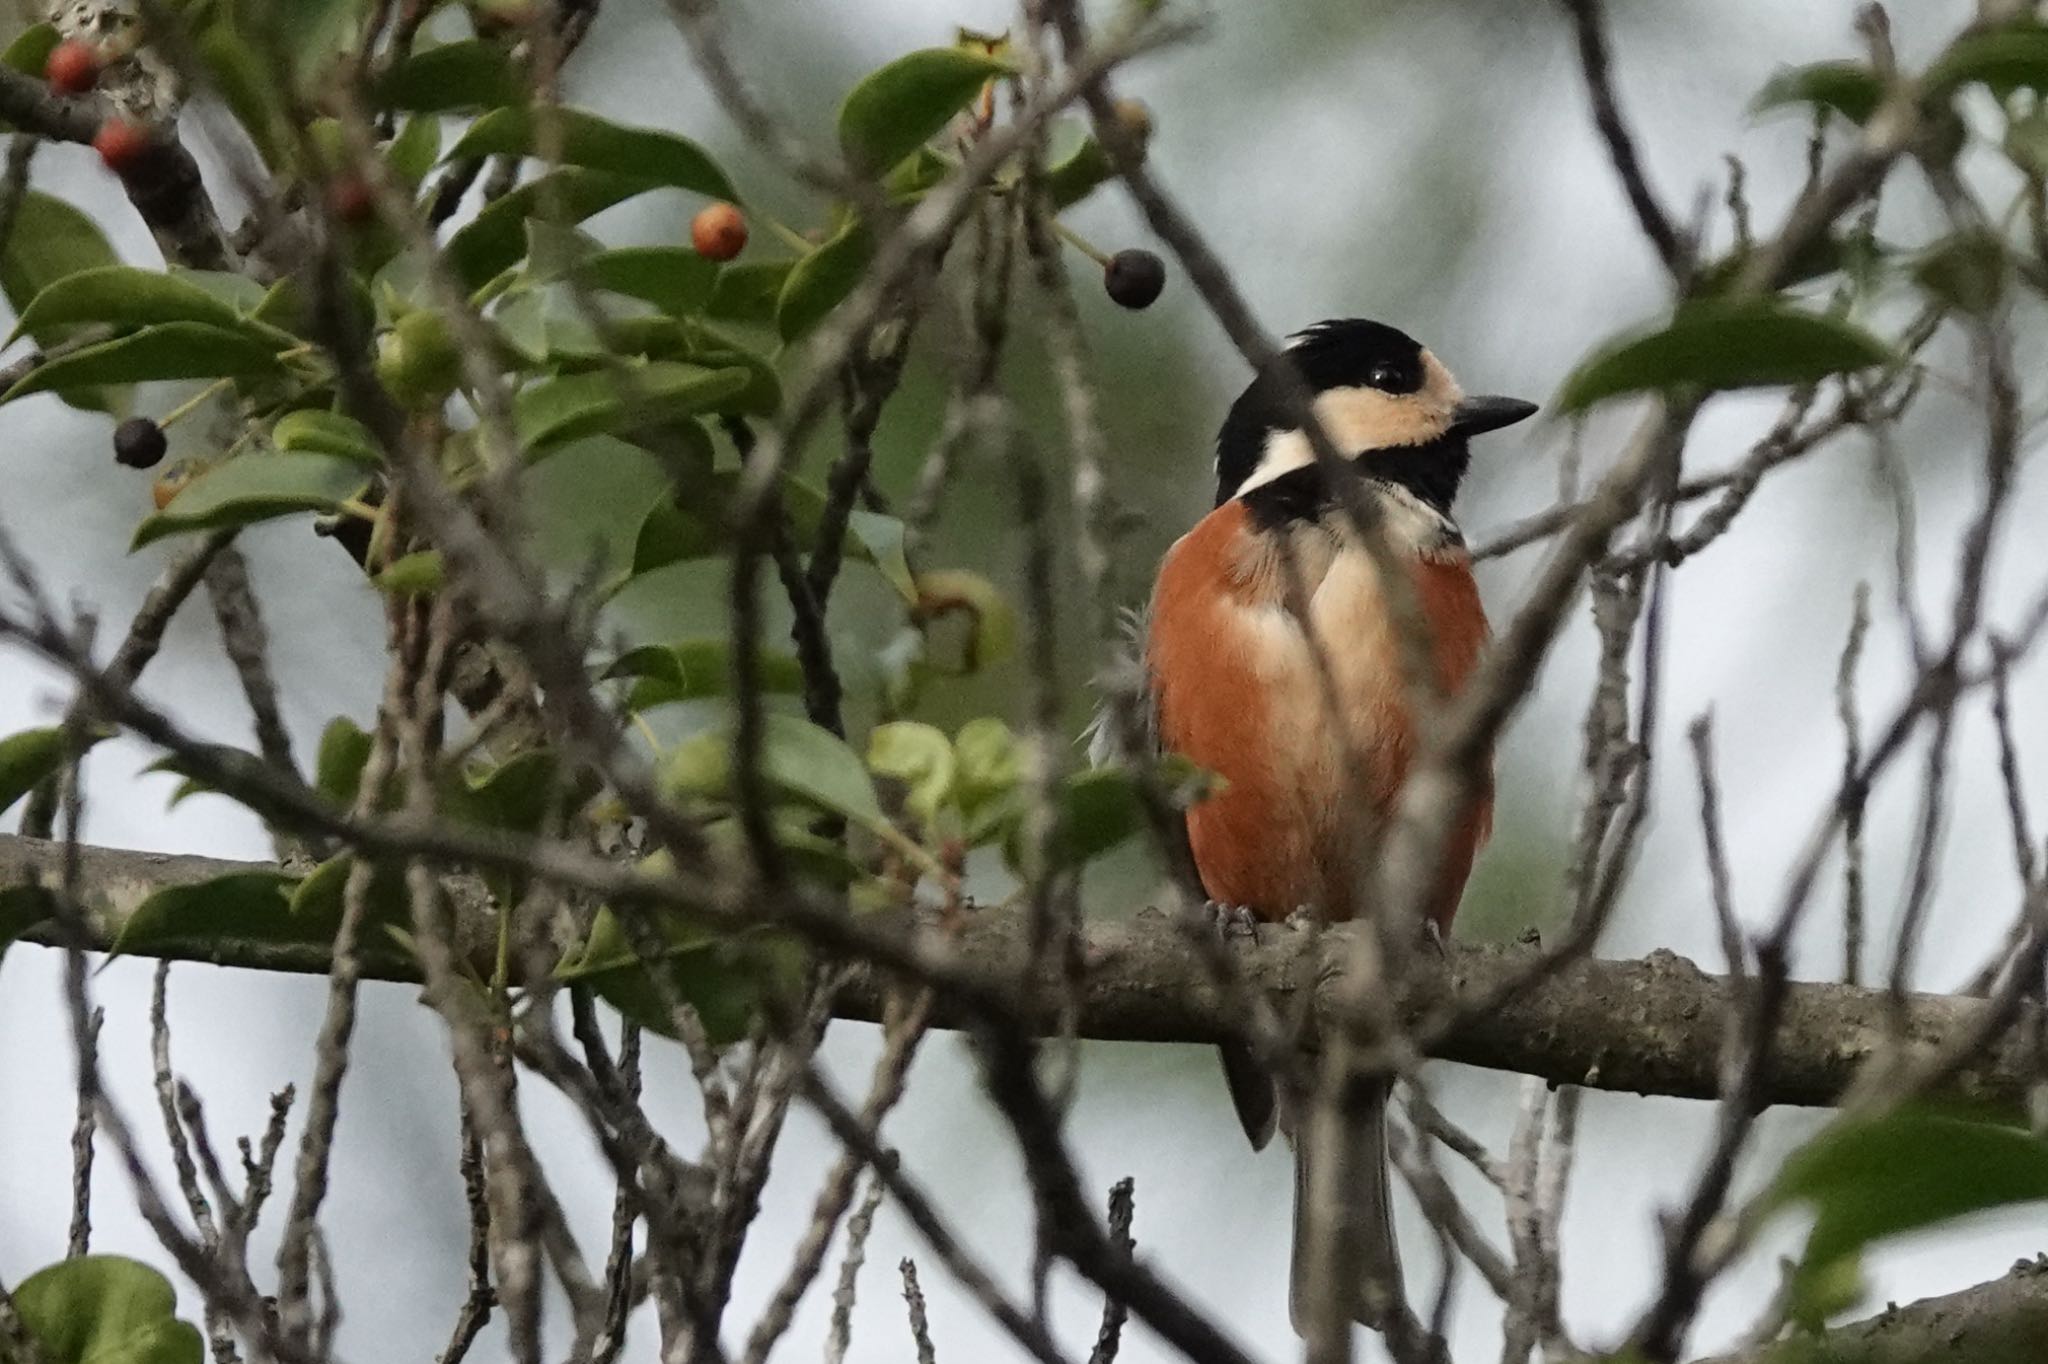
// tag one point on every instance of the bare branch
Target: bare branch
(1649, 1026)
(1589, 22)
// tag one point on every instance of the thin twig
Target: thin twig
(1589, 23)
(82, 1130)
(1854, 795)
(840, 1334)
(1725, 918)
(1123, 1207)
(913, 1300)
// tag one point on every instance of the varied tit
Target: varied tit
(1236, 686)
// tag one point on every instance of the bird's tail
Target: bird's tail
(1351, 1185)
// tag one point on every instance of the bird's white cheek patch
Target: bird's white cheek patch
(1285, 452)
(1359, 419)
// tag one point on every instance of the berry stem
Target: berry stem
(789, 236)
(1080, 243)
(193, 403)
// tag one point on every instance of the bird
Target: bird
(1230, 679)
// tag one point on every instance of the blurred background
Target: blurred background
(1428, 164)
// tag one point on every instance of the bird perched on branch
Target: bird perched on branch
(1273, 656)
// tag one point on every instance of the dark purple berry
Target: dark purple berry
(139, 443)
(1134, 278)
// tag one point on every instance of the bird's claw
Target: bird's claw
(1433, 938)
(1235, 921)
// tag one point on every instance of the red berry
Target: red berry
(350, 201)
(73, 67)
(718, 232)
(123, 145)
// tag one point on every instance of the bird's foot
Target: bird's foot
(1433, 938)
(1235, 921)
(1301, 920)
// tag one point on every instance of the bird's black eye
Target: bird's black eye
(1382, 376)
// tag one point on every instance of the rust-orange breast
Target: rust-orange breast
(1240, 692)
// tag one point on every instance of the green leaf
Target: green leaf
(805, 762)
(748, 290)
(416, 148)
(1869, 1179)
(713, 349)
(313, 33)
(674, 279)
(313, 431)
(991, 762)
(534, 324)
(691, 523)
(338, 768)
(672, 535)
(516, 794)
(1716, 345)
(316, 905)
(196, 780)
(1967, 271)
(2026, 142)
(239, 292)
(169, 350)
(496, 237)
(472, 74)
(598, 144)
(417, 574)
(52, 240)
(692, 669)
(2004, 59)
(553, 250)
(22, 907)
(285, 305)
(574, 405)
(821, 281)
(1850, 90)
(1097, 810)
(882, 538)
(248, 86)
(30, 52)
(1078, 174)
(26, 759)
(1822, 255)
(818, 766)
(251, 488)
(915, 174)
(806, 853)
(105, 1309)
(919, 756)
(897, 108)
(722, 978)
(249, 906)
(127, 297)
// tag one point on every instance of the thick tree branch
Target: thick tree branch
(2000, 1322)
(1651, 1026)
(168, 192)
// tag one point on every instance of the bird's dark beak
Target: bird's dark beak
(1474, 415)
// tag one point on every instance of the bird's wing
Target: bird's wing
(1126, 717)
(1126, 723)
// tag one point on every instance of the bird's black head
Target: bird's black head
(1377, 391)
